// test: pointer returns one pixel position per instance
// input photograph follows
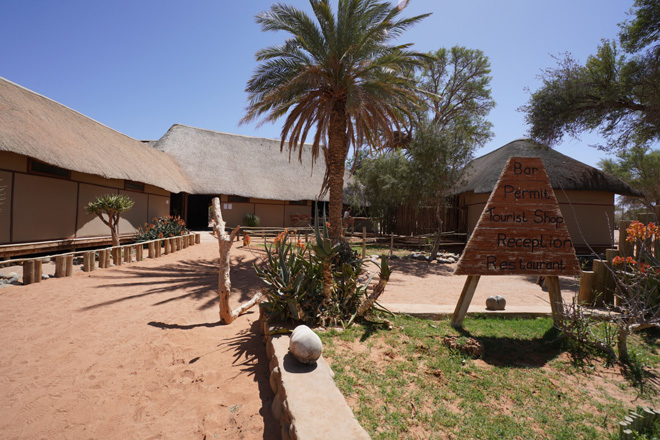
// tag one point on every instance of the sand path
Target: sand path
(134, 352)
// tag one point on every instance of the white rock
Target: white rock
(491, 303)
(305, 345)
(495, 303)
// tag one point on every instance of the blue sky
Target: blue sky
(141, 66)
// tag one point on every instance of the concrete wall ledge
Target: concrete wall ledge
(307, 402)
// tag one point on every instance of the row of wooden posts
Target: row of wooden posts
(598, 286)
(636, 422)
(32, 268)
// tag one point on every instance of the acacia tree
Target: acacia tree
(112, 206)
(440, 138)
(613, 93)
(640, 168)
(337, 75)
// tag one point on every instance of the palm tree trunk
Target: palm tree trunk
(337, 150)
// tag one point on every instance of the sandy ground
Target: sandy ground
(417, 282)
(134, 352)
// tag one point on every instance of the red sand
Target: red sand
(134, 352)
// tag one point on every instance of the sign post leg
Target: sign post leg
(464, 301)
(556, 301)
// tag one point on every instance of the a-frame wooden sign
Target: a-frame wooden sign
(520, 232)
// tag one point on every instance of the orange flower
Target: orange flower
(635, 231)
(301, 245)
(281, 237)
(246, 239)
(620, 260)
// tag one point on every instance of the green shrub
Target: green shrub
(162, 227)
(294, 273)
(251, 220)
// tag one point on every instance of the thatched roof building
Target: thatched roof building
(585, 194)
(42, 129)
(230, 164)
(565, 172)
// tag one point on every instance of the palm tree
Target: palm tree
(337, 75)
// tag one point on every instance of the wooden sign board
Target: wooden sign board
(521, 230)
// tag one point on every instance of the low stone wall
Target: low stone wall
(307, 402)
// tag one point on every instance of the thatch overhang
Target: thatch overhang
(231, 164)
(565, 172)
(42, 129)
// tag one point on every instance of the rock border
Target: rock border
(307, 403)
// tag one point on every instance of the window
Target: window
(238, 199)
(38, 167)
(298, 202)
(133, 186)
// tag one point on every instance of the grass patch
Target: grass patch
(405, 384)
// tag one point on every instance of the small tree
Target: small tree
(111, 205)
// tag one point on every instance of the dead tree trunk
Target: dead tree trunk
(227, 316)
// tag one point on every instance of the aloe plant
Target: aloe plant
(319, 283)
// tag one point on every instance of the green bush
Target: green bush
(294, 273)
(251, 220)
(162, 227)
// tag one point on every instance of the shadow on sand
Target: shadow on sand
(197, 279)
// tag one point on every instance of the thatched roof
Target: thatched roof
(564, 172)
(40, 128)
(230, 164)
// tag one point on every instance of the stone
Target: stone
(491, 303)
(305, 345)
(495, 303)
(9, 278)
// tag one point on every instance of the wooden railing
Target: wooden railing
(101, 258)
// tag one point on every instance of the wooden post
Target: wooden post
(197, 238)
(116, 256)
(625, 247)
(158, 248)
(464, 301)
(107, 258)
(610, 283)
(556, 301)
(128, 254)
(179, 243)
(88, 261)
(166, 246)
(600, 282)
(172, 245)
(184, 240)
(587, 285)
(69, 265)
(60, 266)
(152, 249)
(139, 252)
(364, 242)
(38, 270)
(28, 272)
(101, 258)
